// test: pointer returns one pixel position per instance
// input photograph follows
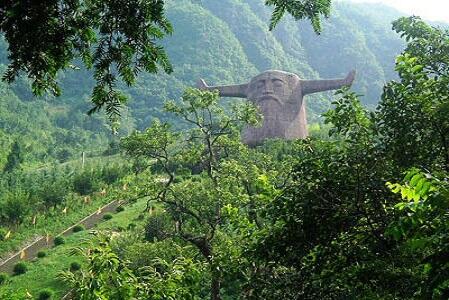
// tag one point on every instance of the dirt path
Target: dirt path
(31, 250)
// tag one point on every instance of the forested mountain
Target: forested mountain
(223, 42)
(189, 210)
(228, 42)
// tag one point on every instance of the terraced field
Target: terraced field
(43, 272)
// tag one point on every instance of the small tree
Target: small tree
(15, 207)
(15, 157)
(85, 182)
(201, 206)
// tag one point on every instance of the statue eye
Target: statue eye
(260, 84)
(278, 83)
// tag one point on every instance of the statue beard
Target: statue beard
(278, 116)
(272, 111)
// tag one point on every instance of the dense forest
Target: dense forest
(358, 210)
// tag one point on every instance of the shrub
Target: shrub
(75, 266)
(59, 240)
(45, 294)
(20, 268)
(107, 217)
(78, 228)
(85, 183)
(41, 254)
(3, 278)
(131, 225)
(158, 227)
(15, 207)
(53, 192)
(3, 233)
(112, 173)
(119, 209)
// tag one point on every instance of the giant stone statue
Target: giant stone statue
(279, 96)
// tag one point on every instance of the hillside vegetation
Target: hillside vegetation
(223, 42)
(358, 210)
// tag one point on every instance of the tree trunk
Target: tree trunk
(215, 287)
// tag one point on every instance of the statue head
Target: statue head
(277, 86)
(279, 97)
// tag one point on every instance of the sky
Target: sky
(432, 10)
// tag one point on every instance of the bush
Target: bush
(75, 266)
(158, 227)
(119, 209)
(3, 278)
(59, 240)
(112, 173)
(131, 226)
(78, 228)
(107, 217)
(53, 192)
(3, 233)
(41, 254)
(20, 268)
(45, 294)
(85, 183)
(14, 207)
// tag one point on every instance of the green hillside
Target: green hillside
(223, 42)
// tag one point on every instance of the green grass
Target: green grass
(43, 273)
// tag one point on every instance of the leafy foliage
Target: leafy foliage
(3, 278)
(312, 219)
(41, 254)
(116, 38)
(421, 229)
(195, 205)
(59, 240)
(337, 232)
(415, 109)
(162, 279)
(309, 9)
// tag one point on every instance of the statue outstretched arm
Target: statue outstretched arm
(314, 86)
(238, 90)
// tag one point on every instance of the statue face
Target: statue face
(272, 92)
(268, 86)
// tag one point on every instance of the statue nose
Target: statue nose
(268, 88)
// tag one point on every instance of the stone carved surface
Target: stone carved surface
(279, 97)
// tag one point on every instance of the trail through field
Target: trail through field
(30, 252)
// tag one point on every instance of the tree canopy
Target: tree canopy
(361, 214)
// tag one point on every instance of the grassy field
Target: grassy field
(43, 272)
(53, 224)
